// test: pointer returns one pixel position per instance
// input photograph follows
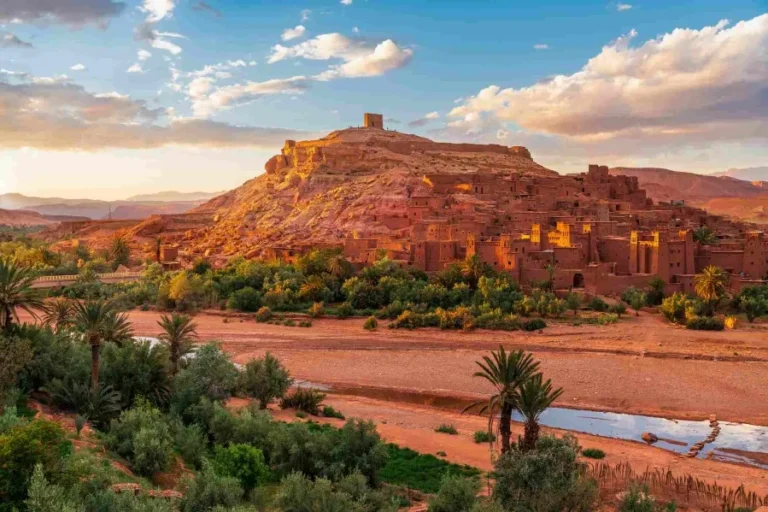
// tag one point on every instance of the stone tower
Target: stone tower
(373, 121)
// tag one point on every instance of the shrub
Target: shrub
(422, 472)
(137, 370)
(371, 324)
(673, 307)
(100, 407)
(593, 453)
(597, 304)
(289, 322)
(617, 309)
(241, 461)
(142, 435)
(655, 295)
(305, 323)
(547, 479)
(731, 322)
(753, 307)
(534, 324)
(45, 497)
(15, 353)
(330, 412)
(264, 314)
(265, 379)
(456, 494)
(447, 429)
(299, 494)
(705, 323)
(483, 436)
(191, 442)
(316, 310)
(345, 310)
(210, 374)
(307, 400)
(637, 499)
(607, 318)
(496, 320)
(246, 299)
(208, 490)
(573, 301)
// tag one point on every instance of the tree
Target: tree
(117, 328)
(506, 373)
(472, 269)
(655, 295)
(92, 318)
(710, 285)
(753, 308)
(635, 298)
(551, 270)
(704, 235)
(573, 301)
(265, 379)
(58, 314)
(179, 332)
(535, 397)
(120, 252)
(339, 267)
(16, 292)
(158, 246)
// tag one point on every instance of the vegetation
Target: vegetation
(483, 436)
(593, 453)
(535, 397)
(422, 472)
(303, 399)
(265, 380)
(16, 292)
(711, 285)
(179, 332)
(446, 429)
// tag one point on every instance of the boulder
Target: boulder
(649, 437)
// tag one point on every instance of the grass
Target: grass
(446, 429)
(483, 436)
(593, 453)
(330, 412)
(422, 472)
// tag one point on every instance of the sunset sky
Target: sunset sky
(107, 99)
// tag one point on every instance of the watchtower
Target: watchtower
(373, 121)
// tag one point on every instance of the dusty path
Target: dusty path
(640, 365)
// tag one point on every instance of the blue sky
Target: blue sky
(639, 83)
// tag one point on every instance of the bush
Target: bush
(597, 304)
(316, 310)
(483, 436)
(617, 309)
(15, 354)
(307, 400)
(299, 494)
(456, 494)
(705, 323)
(264, 314)
(607, 318)
(137, 370)
(208, 490)
(496, 320)
(422, 472)
(371, 324)
(45, 497)
(447, 429)
(547, 479)
(246, 299)
(142, 435)
(241, 461)
(593, 453)
(264, 379)
(210, 374)
(534, 324)
(305, 323)
(330, 412)
(638, 499)
(191, 442)
(345, 310)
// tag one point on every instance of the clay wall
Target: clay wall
(617, 250)
(354, 248)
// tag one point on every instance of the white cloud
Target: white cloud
(225, 97)
(136, 68)
(251, 62)
(685, 87)
(157, 39)
(75, 13)
(541, 46)
(623, 7)
(293, 33)
(9, 40)
(157, 9)
(359, 57)
(305, 14)
(355, 30)
(143, 54)
(346, 2)
(78, 67)
(422, 121)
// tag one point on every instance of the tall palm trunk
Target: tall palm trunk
(8, 320)
(95, 363)
(530, 435)
(505, 428)
(175, 357)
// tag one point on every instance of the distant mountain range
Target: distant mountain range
(748, 174)
(135, 207)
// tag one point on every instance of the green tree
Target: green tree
(179, 332)
(120, 251)
(551, 271)
(58, 314)
(754, 308)
(506, 373)
(16, 292)
(535, 397)
(711, 285)
(94, 319)
(704, 235)
(117, 328)
(265, 379)
(46, 497)
(573, 301)
(457, 494)
(635, 298)
(241, 461)
(472, 269)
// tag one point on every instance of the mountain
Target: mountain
(351, 182)
(718, 194)
(173, 196)
(20, 218)
(747, 174)
(14, 201)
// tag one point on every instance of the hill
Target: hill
(747, 174)
(321, 191)
(168, 196)
(23, 218)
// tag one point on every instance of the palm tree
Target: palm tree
(535, 397)
(179, 331)
(710, 285)
(551, 269)
(58, 314)
(158, 245)
(120, 251)
(472, 269)
(339, 267)
(117, 328)
(16, 292)
(506, 373)
(93, 318)
(704, 236)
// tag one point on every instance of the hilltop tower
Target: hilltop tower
(373, 121)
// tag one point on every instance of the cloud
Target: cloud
(64, 116)
(359, 56)
(346, 2)
(305, 14)
(208, 103)
(422, 121)
(541, 46)
(78, 67)
(623, 7)
(75, 13)
(293, 33)
(157, 10)
(355, 30)
(143, 54)
(685, 87)
(157, 39)
(12, 41)
(136, 68)
(203, 6)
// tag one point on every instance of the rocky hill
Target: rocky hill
(26, 218)
(320, 191)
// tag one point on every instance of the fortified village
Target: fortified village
(374, 192)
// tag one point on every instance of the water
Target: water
(674, 435)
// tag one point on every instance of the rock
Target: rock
(649, 437)
(126, 488)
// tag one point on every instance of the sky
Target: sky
(110, 98)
